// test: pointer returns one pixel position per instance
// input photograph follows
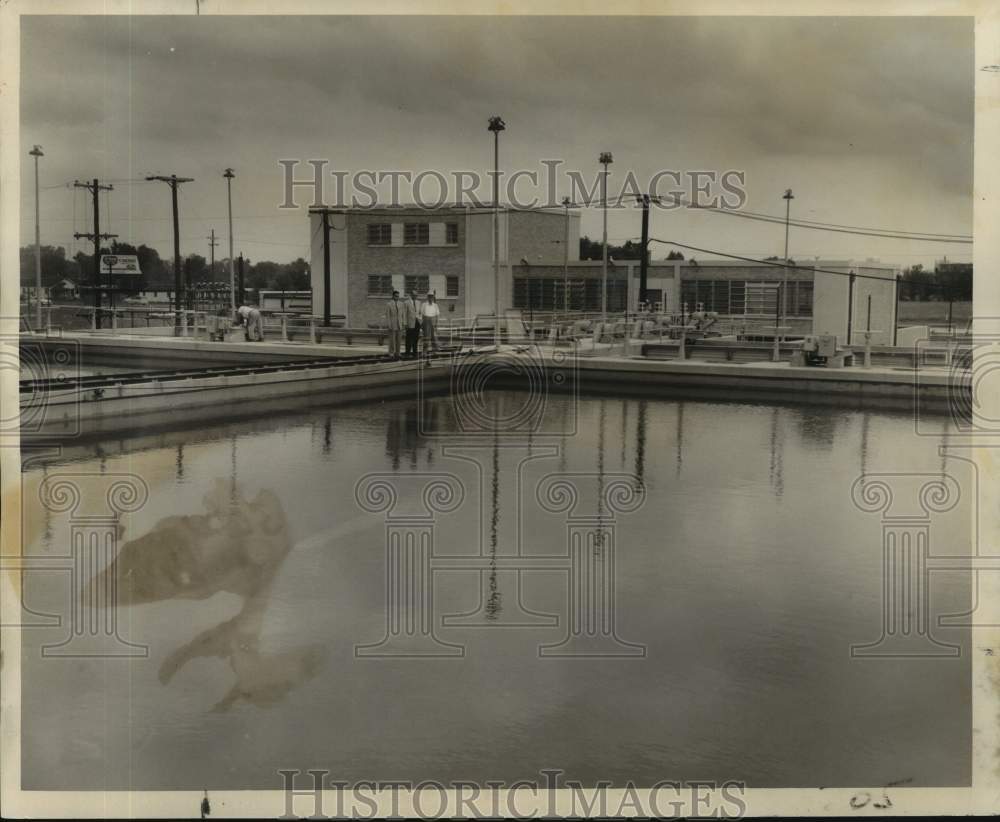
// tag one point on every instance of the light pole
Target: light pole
(565, 202)
(36, 152)
(232, 278)
(605, 159)
(496, 125)
(787, 197)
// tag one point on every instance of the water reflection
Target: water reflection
(776, 472)
(640, 442)
(494, 597)
(236, 546)
(679, 435)
(749, 577)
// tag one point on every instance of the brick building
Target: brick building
(448, 251)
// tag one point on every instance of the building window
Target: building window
(418, 283)
(762, 299)
(451, 286)
(416, 233)
(451, 233)
(548, 294)
(379, 234)
(379, 285)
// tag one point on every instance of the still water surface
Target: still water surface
(252, 573)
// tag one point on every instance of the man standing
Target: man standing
(395, 323)
(429, 313)
(412, 310)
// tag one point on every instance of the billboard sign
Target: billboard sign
(123, 264)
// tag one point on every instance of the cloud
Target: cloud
(838, 99)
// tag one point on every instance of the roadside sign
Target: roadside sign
(123, 264)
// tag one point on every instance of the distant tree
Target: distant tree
(195, 268)
(55, 266)
(675, 255)
(592, 250)
(155, 273)
(954, 281)
(917, 284)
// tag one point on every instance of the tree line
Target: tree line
(158, 273)
(948, 281)
(591, 250)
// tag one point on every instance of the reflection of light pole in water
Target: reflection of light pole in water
(599, 532)
(776, 469)
(680, 437)
(494, 599)
(640, 443)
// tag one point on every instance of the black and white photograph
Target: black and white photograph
(499, 410)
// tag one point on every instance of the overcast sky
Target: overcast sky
(868, 120)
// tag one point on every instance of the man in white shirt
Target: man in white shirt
(250, 319)
(429, 313)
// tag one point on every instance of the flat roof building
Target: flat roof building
(816, 293)
(447, 250)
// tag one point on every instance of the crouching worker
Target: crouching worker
(249, 317)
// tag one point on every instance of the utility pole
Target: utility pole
(232, 283)
(36, 152)
(644, 260)
(895, 308)
(240, 283)
(605, 159)
(173, 180)
(212, 243)
(787, 197)
(325, 214)
(565, 203)
(850, 308)
(95, 188)
(496, 125)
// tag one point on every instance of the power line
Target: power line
(777, 264)
(815, 225)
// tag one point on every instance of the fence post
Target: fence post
(114, 322)
(312, 329)
(184, 323)
(48, 321)
(284, 328)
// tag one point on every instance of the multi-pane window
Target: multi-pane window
(762, 299)
(416, 233)
(379, 285)
(419, 283)
(451, 233)
(548, 294)
(451, 286)
(379, 234)
(743, 297)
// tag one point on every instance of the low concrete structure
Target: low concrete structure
(102, 404)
